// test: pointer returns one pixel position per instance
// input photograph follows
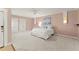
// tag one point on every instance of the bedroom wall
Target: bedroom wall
(70, 28)
(57, 21)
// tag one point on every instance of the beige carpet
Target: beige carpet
(23, 41)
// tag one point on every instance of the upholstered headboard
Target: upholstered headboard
(46, 22)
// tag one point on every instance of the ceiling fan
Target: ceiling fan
(35, 12)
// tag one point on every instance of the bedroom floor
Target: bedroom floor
(23, 41)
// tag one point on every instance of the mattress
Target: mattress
(42, 32)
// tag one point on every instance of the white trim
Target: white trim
(68, 36)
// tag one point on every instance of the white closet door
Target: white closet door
(22, 24)
(1, 29)
(14, 24)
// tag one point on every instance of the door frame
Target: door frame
(3, 28)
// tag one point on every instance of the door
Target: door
(1, 29)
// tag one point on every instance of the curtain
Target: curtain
(15, 24)
(22, 24)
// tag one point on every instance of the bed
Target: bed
(42, 32)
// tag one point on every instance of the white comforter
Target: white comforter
(42, 32)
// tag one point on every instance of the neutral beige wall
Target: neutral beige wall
(68, 29)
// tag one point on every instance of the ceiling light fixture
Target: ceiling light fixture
(35, 15)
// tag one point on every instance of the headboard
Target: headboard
(46, 22)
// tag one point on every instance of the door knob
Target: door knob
(2, 28)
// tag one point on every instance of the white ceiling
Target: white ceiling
(29, 12)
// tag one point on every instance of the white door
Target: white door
(1, 29)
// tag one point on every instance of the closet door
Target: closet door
(1, 29)
(15, 24)
(22, 25)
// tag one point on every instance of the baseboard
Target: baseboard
(67, 36)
